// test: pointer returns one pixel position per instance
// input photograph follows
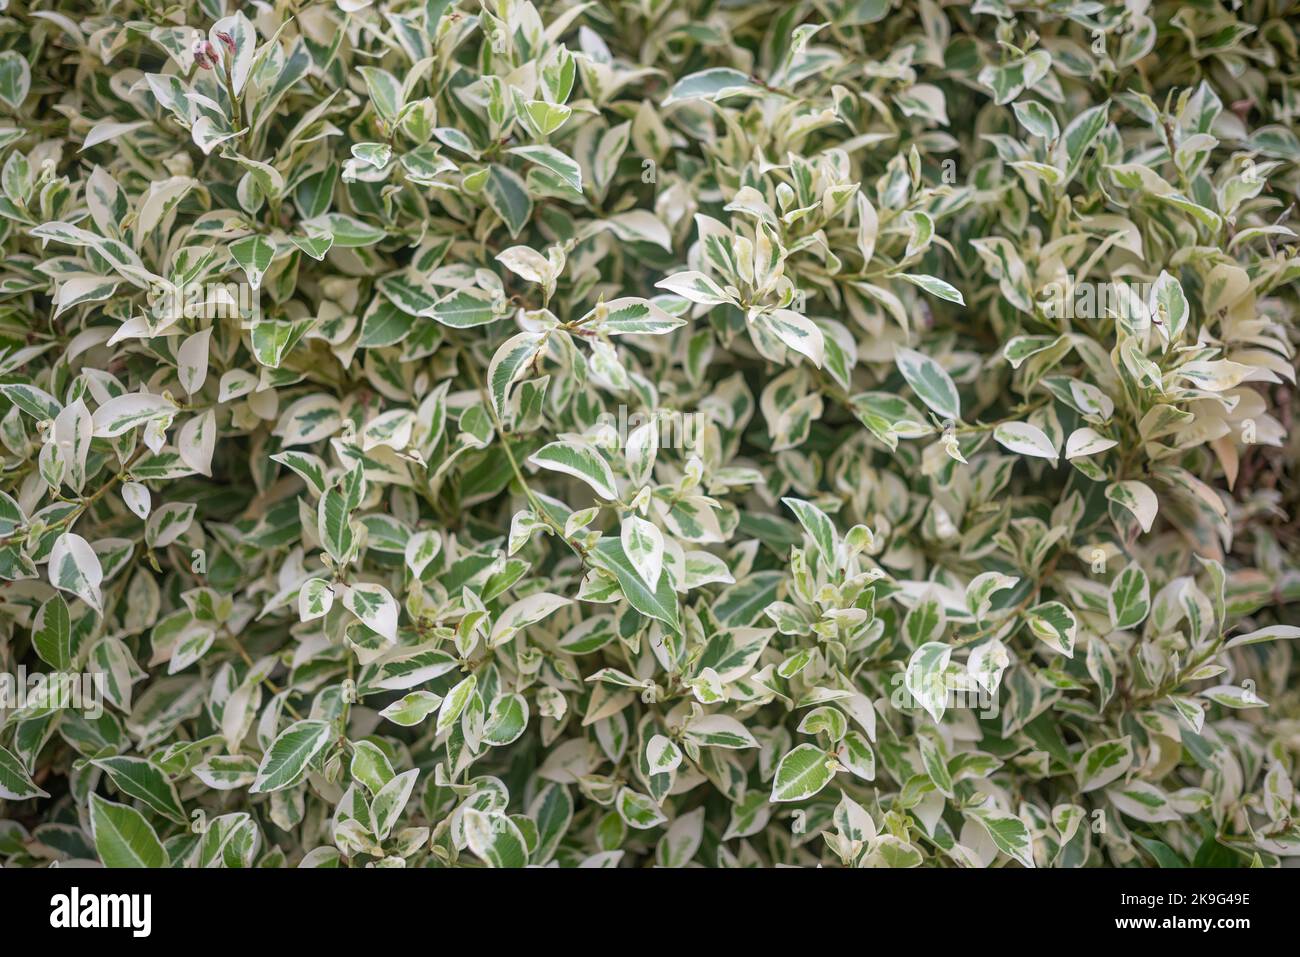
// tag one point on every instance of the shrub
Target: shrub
(842, 432)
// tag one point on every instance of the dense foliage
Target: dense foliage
(650, 432)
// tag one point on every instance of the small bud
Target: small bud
(205, 54)
(227, 41)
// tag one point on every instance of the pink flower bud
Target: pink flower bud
(205, 54)
(227, 40)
